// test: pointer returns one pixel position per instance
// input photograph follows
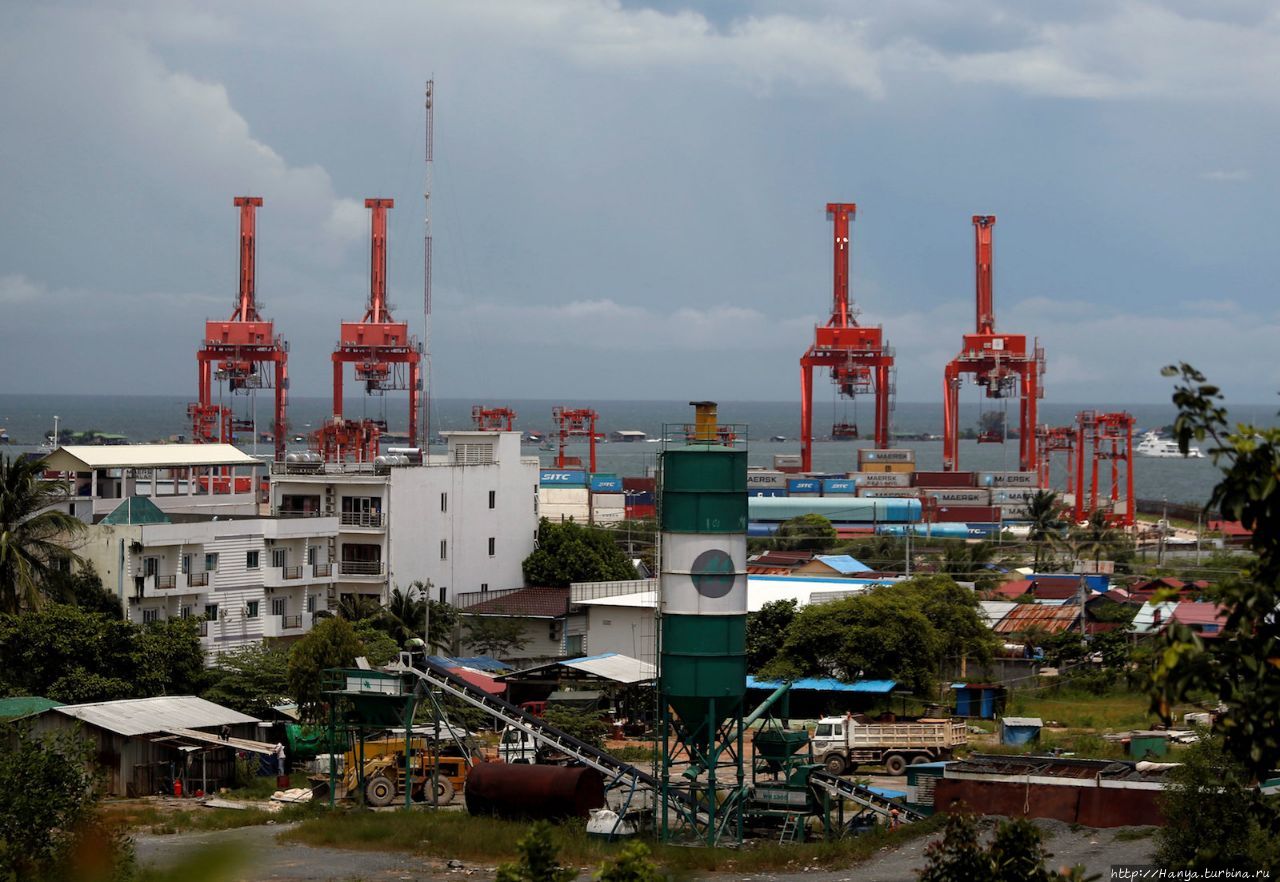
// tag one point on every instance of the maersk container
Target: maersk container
(880, 479)
(766, 480)
(1008, 479)
(944, 479)
(767, 491)
(897, 454)
(891, 468)
(1013, 495)
(804, 485)
(839, 487)
(888, 493)
(843, 509)
(562, 478)
(960, 496)
(966, 513)
(606, 484)
(787, 462)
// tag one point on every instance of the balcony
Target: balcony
(198, 580)
(322, 570)
(157, 585)
(290, 625)
(297, 575)
(361, 520)
(361, 569)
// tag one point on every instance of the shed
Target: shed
(980, 700)
(141, 743)
(22, 706)
(1020, 730)
(922, 779)
(813, 697)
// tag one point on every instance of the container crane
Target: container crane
(575, 423)
(1051, 440)
(493, 419)
(1104, 436)
(385, 357)
(237, 351)
(1002, 364)
(858, 358)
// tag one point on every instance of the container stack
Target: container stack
(564, 494)
(608, 500)
(640, 497)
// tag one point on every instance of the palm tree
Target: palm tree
(1045, 513)
(1096, 536)
(33, 534)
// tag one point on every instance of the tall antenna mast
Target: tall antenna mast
(426, 262)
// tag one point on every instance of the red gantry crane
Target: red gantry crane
(237, 351)
(386, 359)
(1051, 440)
(579, 423)
(493, 419)
(1106, 436)
(858, 358)
(1000, 363)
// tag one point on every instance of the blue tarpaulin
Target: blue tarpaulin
(875, 687)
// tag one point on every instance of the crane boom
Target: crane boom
(246, 305)
(986, 310)
(378, 312)
(840, 213)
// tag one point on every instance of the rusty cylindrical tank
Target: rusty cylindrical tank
(514, 790)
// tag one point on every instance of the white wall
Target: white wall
(625, 629)
(418, 525)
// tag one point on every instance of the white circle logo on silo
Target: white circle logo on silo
(713, 573)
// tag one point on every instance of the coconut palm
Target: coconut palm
(1044, 511)
(34, 535)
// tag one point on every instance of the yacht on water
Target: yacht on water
(1162, 448)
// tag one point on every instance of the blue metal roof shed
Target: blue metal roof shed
(1020, 730)
(814, 684)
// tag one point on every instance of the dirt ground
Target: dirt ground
(266, 859)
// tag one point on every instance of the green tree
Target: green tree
(570, 552)
(1045, 512)
(406, 617)
(170, 659)
(494, 635)
(355, 608)
(375, 645)
(806, 532)
(1214, 819)
(47, 799)
(1016, 854)
(763, 631)
(538, 860)
(332, 643)
(585, 725)
(252, 679)
(83, 588)
(631, 865)
(34, 536)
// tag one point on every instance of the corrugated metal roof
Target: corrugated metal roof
(87, 457)
(1153, 616)
(614, 666)
(995, 610)
(1025, 616)
(1035, 722)
(814, 684)
(24, 706)
(140, 716)
(843, 563)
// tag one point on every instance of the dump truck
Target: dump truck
(385, 773)
(844, 743)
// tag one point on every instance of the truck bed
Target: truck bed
(917, 734)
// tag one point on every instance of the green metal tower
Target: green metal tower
(703, 607)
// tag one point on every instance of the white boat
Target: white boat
(1162, 448)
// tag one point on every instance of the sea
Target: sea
(28, 419)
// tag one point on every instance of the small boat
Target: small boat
(1162, 448)
(778, 439)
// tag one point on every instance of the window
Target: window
(493, 546)
(311, 603)
(211, 562)
(279, 557)
(837, 730)
(484, 587)
(444, 549)
(311, 554)
(279, 606)
(473, 454)
(823, 731)
(150, 615)
(493, 499)
(444, 594)
(251, 609)
(573, 644)
(211, 611)
(186, 564)
(150, 566)
(186, 612)
(251, 560)
(444, 501)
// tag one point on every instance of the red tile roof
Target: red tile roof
(1056, 591)
(1028, 616)
(1198, 616)
(548, 603)
(1013, 589)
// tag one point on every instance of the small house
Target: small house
(1020, 730)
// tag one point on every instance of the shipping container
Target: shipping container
(844, 509)
(1003, 495)
(888, 468)
(640, 497)
(606, 484)
(783, 461)
(945, 479)
(962, 513)
(888, 493)
(765, 480)
(959, 496)
(935, 531)
(563, 495)
(880, 479)
(1007, 479)
(796, 486)
(641, 511)
(839, 487)
(562, 478)
(897, 454)
(767, 491)
(579, 513)
(608, 500)
(608, 515)
(649, 484)
(1016, 511)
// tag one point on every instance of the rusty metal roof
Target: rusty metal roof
(538, 603)
(1029, 616)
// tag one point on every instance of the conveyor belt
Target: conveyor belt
(863, 796)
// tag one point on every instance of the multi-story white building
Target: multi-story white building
(463, 521)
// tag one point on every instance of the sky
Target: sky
(628, 199)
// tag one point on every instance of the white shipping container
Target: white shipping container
(608, 500)
(1007, 479)
(787, 461)
(880, 479)
(609, 515)
(888, 493)
(960, 496)
(563, 495)
(1013, 512)
(579, 513)
(1002, 496)
(766, 480)
(896, 454)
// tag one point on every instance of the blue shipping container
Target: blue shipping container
(839, 485)
(606, 484)
(640, 497)
(767, 491)
(562, 478)
(804, 485)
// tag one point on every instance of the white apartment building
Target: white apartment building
(464, 520)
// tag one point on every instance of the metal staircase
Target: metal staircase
(868, 799)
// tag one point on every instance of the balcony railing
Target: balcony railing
(361, 568)
(293, 572)
(361, 519)
(322, 570)
(198, 580)
(166, 582)
(291, 621)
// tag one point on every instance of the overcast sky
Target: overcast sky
(629, 197)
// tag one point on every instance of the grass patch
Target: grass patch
(489, 841)
(156, 819)
(263, 787)
(1132, 834)
(1084, 710)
